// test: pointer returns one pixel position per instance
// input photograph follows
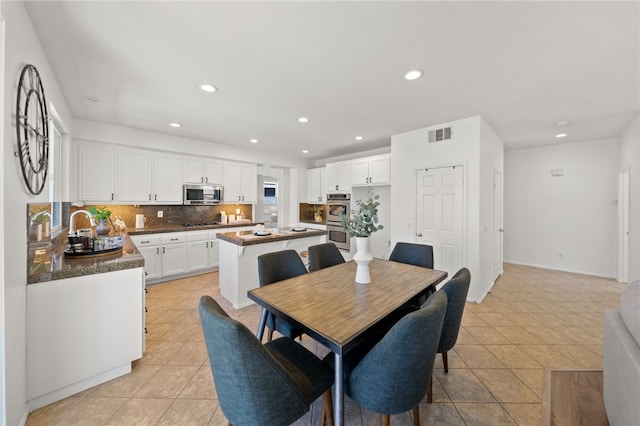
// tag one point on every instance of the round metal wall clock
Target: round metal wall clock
(32, 125)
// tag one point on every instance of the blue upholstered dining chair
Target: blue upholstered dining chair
(393, 376)
(414, 254)
(323, 256)
(456, 289)
(271, 384)
(274, 267)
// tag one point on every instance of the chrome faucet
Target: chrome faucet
(91, 219)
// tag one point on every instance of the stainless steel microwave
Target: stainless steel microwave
(198, 194)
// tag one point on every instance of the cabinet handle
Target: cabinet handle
(162, 250)
(174, 239)
(243, 198)
(419, 234)
(207, 245)
(201, 179)
(144, 242)
(112, 196)
(206, 180)
(157, 250)
(155, 197)
(337, 187)
(149, 197)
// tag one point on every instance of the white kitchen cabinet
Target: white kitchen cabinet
(240, 183)
(174, 253)
(134, 176)
(97, 173)
(167, 178)
(81, 332)
(214, 251)
(149, 248)
(339, 177)
(198, 170)
(317, 185)
(371, 171)
(198, 249)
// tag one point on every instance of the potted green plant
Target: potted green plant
(103, 215)
(361, 225)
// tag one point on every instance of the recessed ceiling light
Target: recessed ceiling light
(413, 74)
(561, 135)
(562, 123)
(175, 125)
(93, 99)
(303, 120)
(359, 138)
(208, 88)
(254, 141)
(305, 151)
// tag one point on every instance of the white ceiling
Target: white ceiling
(523, 66)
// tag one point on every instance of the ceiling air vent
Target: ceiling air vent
(440, 135)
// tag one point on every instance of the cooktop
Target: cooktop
(200, 224)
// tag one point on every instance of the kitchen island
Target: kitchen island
(239, 253)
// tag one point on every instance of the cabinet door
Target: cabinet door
(97, 173)
(174, 259)
(339, 177)
(213, 171)
(134, 176)
(151, 261)
(198, 255)
(214, 253)
(380, 170)
(167, 179)
(193, 170)
(360, 172)
(249, 183)
(232, 183)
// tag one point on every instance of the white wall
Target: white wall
(629, 159)
(21, 47)
(3, 417)
(410, 152)
(567, 223)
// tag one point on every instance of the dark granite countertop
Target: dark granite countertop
(247, 238)
(181, 228)
(46, 262)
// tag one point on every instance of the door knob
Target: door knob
(419, 234)
(501, 230)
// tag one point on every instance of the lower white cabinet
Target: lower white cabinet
(81, 332)
(173, 252)
(149, 248)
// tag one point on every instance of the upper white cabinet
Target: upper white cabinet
(198, 170)
(148, 177)
(97, 173)
(339, 176)
(317, 185)
(167, 174)
(240, 183)
(134, 175)
(371, 171)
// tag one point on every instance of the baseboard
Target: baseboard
(25, 416)
(551, 268)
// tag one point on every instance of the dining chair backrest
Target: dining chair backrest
(323, 256)
(456, 289)
(254, 384)
(413, 254)
(279, 266)
(394, 376)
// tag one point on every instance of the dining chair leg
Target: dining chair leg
(430, 390)
(445, 361)
(262, 324)
(385, 419)
(416, 415)
(327, 409)
(269, 335)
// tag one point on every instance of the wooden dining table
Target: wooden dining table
(329, 306)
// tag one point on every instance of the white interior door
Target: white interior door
(498, 232)
(623, 226)
(439, 203)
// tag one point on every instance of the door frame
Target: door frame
(465, 171)
(497, 174)
(623, 225)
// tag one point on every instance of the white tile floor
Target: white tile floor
(533, 319)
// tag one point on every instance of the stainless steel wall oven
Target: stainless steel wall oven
(338, 205)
